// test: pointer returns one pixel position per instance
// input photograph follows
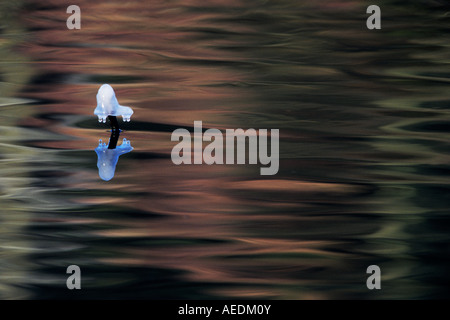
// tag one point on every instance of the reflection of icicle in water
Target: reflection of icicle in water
(107, 105)
(109, 155)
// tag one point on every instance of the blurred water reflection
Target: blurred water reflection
(364, 150)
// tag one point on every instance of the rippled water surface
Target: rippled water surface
(364, 150)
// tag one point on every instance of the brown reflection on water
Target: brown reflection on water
(357, 114)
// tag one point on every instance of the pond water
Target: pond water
(364, 150)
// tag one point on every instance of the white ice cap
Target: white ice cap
(107, 105)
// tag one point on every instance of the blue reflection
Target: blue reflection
(108, 155)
